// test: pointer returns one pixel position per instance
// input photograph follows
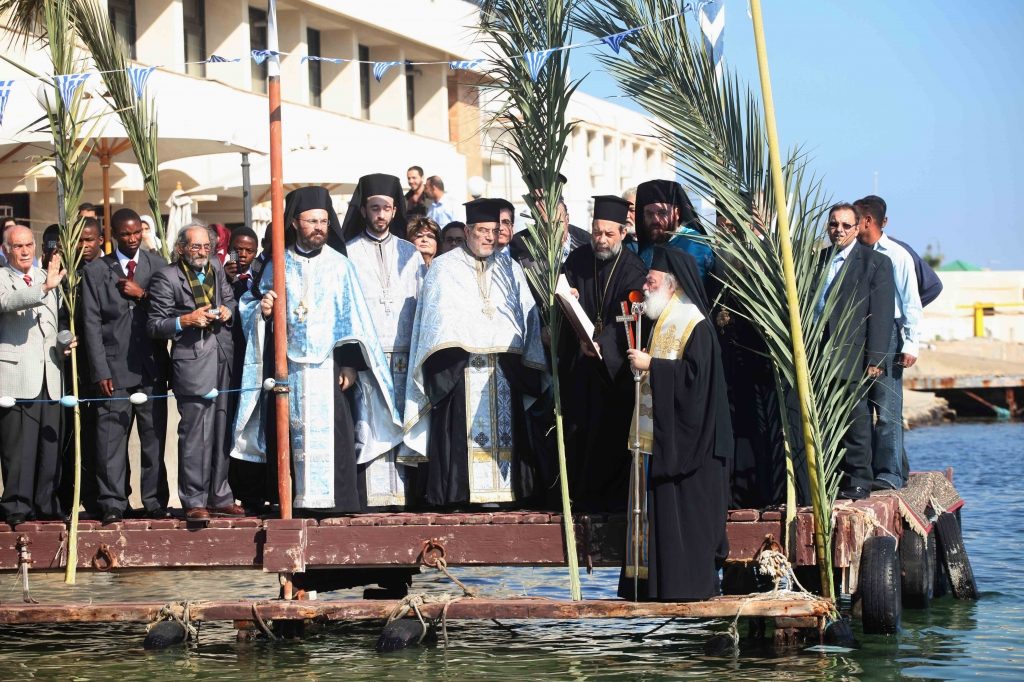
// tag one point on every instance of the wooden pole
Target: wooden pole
(104, 153)
(284, 475)
(793, 302)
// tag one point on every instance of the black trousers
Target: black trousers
(30, 458)
(113, 424)
(857, 441)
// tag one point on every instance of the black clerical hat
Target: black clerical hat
(683, 267)
(663, 192)
(306, 199)
(536, 179)
(612, 208)
(484, 211)
(375, 184)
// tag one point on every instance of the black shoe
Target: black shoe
(15, 519)
(112, 516)
(881, 484)
(854, 492)
(158, 513)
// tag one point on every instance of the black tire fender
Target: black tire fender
(954, 557)
(879, 586)
(917, 570)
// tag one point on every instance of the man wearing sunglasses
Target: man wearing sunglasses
(857, 301)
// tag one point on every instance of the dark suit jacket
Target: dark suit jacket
(929, 286)
(114, 327)
(867, 287)
(196, 356)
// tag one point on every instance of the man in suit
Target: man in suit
(859, 297)
(192, 305)
(29, 370)
(123, 360)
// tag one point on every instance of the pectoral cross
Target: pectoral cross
(489, 309)
(598, 327)
(300, 312)
(385, 300)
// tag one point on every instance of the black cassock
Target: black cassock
(444, 480)
(597, 394)
(687, 487)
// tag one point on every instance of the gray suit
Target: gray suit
(29, 370)
(119, 348)
(200, 361)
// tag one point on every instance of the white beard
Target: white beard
(656, 302)
(609, 254)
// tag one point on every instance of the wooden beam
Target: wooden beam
(463, 609)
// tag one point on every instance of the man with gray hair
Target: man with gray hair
(191, 305)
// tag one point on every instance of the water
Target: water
(952, 640)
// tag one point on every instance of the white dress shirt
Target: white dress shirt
(908, 299)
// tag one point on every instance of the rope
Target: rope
(167, 612)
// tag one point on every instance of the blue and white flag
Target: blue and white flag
(314, 58)
(381, 68)
(535, 61)
(260, 56)
(215, 59)
(712, 25)
(138, 75)
(69, 84)
(615, 40)
(5, 92)
(465, 64)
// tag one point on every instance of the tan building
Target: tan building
(339, 122)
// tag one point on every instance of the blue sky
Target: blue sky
(927, 93)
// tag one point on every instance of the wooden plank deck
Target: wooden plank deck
(475, 608)
(519, 538)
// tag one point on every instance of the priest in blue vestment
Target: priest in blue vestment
(341, 410)
(476, 363)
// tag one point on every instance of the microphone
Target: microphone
(65, 337)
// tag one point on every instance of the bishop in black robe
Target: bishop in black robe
(686, 430)
(597, 393)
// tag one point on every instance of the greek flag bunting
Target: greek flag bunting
(381, 68)
(138, 75)
(260, 56)
(5, 92)
(535, 61)
(615, 40)
(69, 84)
(712, 25)
(465, 64)
(216, 59)
(313, 58)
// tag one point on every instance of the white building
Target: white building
(951, 315)
(338, 122)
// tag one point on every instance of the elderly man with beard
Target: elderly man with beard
(598, 391)
(476, 365)
(685, 438)
(190, 304)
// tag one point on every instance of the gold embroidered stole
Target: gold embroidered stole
(669, 338)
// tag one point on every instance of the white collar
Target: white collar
(124, 260)
(845, 253)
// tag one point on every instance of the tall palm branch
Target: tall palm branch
(52, 29)
(531, 113)
(714, 130)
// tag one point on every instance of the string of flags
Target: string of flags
(710, 16)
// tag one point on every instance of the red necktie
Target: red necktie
(245, 277)
(131, 269)
(28, 279)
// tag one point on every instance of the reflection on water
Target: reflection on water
(952, 640)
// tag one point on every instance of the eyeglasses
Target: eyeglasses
(196, 248)
(506, 223)
(833, 224)
(324, 222)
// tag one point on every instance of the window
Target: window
(122, 17)
(364, 80)
(315, 75)
(194, 16)
(410, 96)
(258, 41)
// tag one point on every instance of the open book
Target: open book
(575, 314)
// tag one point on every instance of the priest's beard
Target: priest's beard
(657, 301)
(609, 253)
